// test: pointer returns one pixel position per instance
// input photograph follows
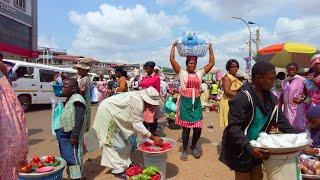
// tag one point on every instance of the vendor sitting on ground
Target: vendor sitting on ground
(118, 117)
(250, 113)
(313, 116)
(72, 123)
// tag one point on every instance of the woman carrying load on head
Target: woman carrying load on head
(189, 109)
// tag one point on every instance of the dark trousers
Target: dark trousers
(195, 137)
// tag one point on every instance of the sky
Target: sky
(128, 31)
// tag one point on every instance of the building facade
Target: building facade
(19, 29)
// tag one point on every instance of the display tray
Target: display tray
(287, 150)
(35, 174)
(307, 176)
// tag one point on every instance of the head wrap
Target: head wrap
(150, 64)
(315, 59)
(314, 112)
(189, 58)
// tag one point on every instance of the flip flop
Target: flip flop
(195, 152)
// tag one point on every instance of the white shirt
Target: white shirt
(204, 87)
(164, 88)
(126, 110)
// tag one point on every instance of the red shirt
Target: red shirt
(150, 81)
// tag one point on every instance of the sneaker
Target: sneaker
(184, 156)
(195, 152)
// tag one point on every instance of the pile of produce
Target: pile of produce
(310, 166)
(151, 147)
(37, 163)
(137, 173)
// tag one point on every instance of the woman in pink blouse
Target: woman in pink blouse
(151, 114)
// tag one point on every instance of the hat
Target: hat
(84, 64)
(150, 96)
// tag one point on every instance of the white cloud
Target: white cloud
(228, 8)
(136, 35)
(46, 41)
(112, 29)
(305, 29)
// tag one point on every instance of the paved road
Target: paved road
(207, 167)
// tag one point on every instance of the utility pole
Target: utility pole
(248, 61)
(258, 39)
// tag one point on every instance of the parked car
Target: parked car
(32, 82)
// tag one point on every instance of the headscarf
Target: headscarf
(189, 58)
(313, 112)
(150, 64)
(315, 59)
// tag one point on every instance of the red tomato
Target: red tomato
(47, 159)
(40, 164)
(52, 158)
(35, 159)
(29, 166)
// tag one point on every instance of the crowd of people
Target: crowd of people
(267, 102)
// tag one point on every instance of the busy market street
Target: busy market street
(208, 167)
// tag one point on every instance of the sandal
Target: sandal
(196, 153)
(184, 156)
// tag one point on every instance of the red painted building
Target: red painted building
(19, 29)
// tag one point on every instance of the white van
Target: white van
(32, 82)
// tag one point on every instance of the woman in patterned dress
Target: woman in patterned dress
(13, 130)
(189, 109)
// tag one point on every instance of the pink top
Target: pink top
(150, 81)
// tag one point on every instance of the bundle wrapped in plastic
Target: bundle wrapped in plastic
(192, 45)
(281, 140)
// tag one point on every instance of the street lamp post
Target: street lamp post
(250, 41)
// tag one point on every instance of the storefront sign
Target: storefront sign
(7, 9)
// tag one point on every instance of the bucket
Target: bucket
(57, 89)
(282, 166)
(159, 160)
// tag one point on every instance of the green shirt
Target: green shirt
(257, 124)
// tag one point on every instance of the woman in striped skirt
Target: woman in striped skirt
(189, 109)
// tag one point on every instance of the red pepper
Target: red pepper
(156, 177)
(134, 170)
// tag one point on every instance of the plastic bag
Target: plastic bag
(57, 109)
(169, 105)
(94, 94)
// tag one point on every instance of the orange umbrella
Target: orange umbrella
(282, 54)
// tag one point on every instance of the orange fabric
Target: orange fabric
(272, 49)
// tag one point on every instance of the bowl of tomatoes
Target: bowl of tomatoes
(42, 167)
